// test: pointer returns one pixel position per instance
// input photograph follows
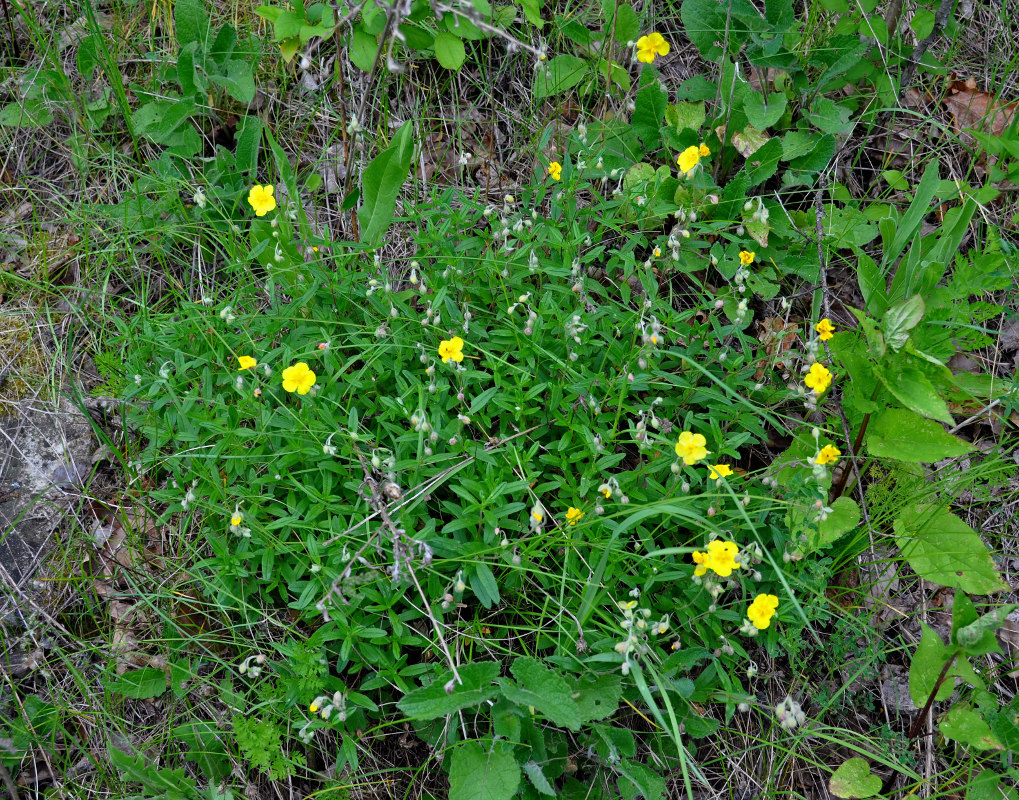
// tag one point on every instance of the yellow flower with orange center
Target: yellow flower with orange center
(720, 557)
(828, 455)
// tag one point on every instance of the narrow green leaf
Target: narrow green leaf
(381, 184)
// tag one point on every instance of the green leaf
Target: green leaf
(965, 725)
(817, 158)
(449, 50)
(830, 117)
(238, 80)
(597, 696)
(987, 786)
(977, 638)
(362, 49)
(537, 778)
(685, 116)
(761, 166)
(925, 668)
(853, 780)
(544, 690)
(913, 389)
(763, 114)
(478, 775)
(169, 783)
(703, 22)
(484, 585)
(381, 185)
(900, 319)
(532, 11)
(140, 684)
(26, 114)
(249, 136)
(942, 548)
(562, 73)
(636, 780)
(627, 28)
(649, 109)
(431, 701)
(844, 516)
(191, 22)
(906, 436)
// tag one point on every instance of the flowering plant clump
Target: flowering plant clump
(650, 46)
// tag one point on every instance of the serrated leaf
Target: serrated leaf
(431, 701)
(140, 684)
(853, 780)
(449, 50)
(381, 184)
(544, 690)
(963, 724)
(169, 783)
(475, 774)
(906, 436)
(942, 548)
(763, 113)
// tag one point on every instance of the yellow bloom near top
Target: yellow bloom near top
(825, 330)
(652, 45)
(261, 199)
(298, 378)
(720, 557)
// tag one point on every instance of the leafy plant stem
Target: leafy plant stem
(841, 485)
(914, 729)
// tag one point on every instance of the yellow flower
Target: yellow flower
(298, 378)
(260, 198)
(555, 170)
(703, 151)
(825, 330)
(689, 159)
(236, 519)
(607, 492)
(537, 516)
(451, 349)
(690, 447)
(828, 455)
(313, 708)
(746, 257)
(246, 362)
(818, 379)
(650, 46)
(762, 610)
(573, 515)
(719, 471)
(719, 557)
(658, 252)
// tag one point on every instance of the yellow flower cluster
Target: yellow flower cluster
(691, 447)
(719, 557)
(691, 157)
(573, 515)
(762, 610)
(555, 170)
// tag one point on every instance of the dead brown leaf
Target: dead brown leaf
(776, 337)
(973, 109)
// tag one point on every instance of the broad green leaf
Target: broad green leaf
(844, 516)
(818, 157)
(965, 725)
(597, 697)
(704, 22)
(906, 436)
(363, 48)
(977, 638)
(942, 548)
(169, 783)
(922, 23)
(649, 109)
(928, 661)
(913, 389)
(544, 690)
(191, 21)
(537, 778)
(763, 114)
(636, 780)
(449, 50)
(987, 786)
(140, 684)
(431, 701)
(249, 136)
(853, 780)
(761, 166)
(830, 117)
(475, 774)
(900, 319)
(627, 28)
(381, 185)
(532, 11)
(26, 114)
(238, 80)
(561, 74)
(484, 585)
(685, 116)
